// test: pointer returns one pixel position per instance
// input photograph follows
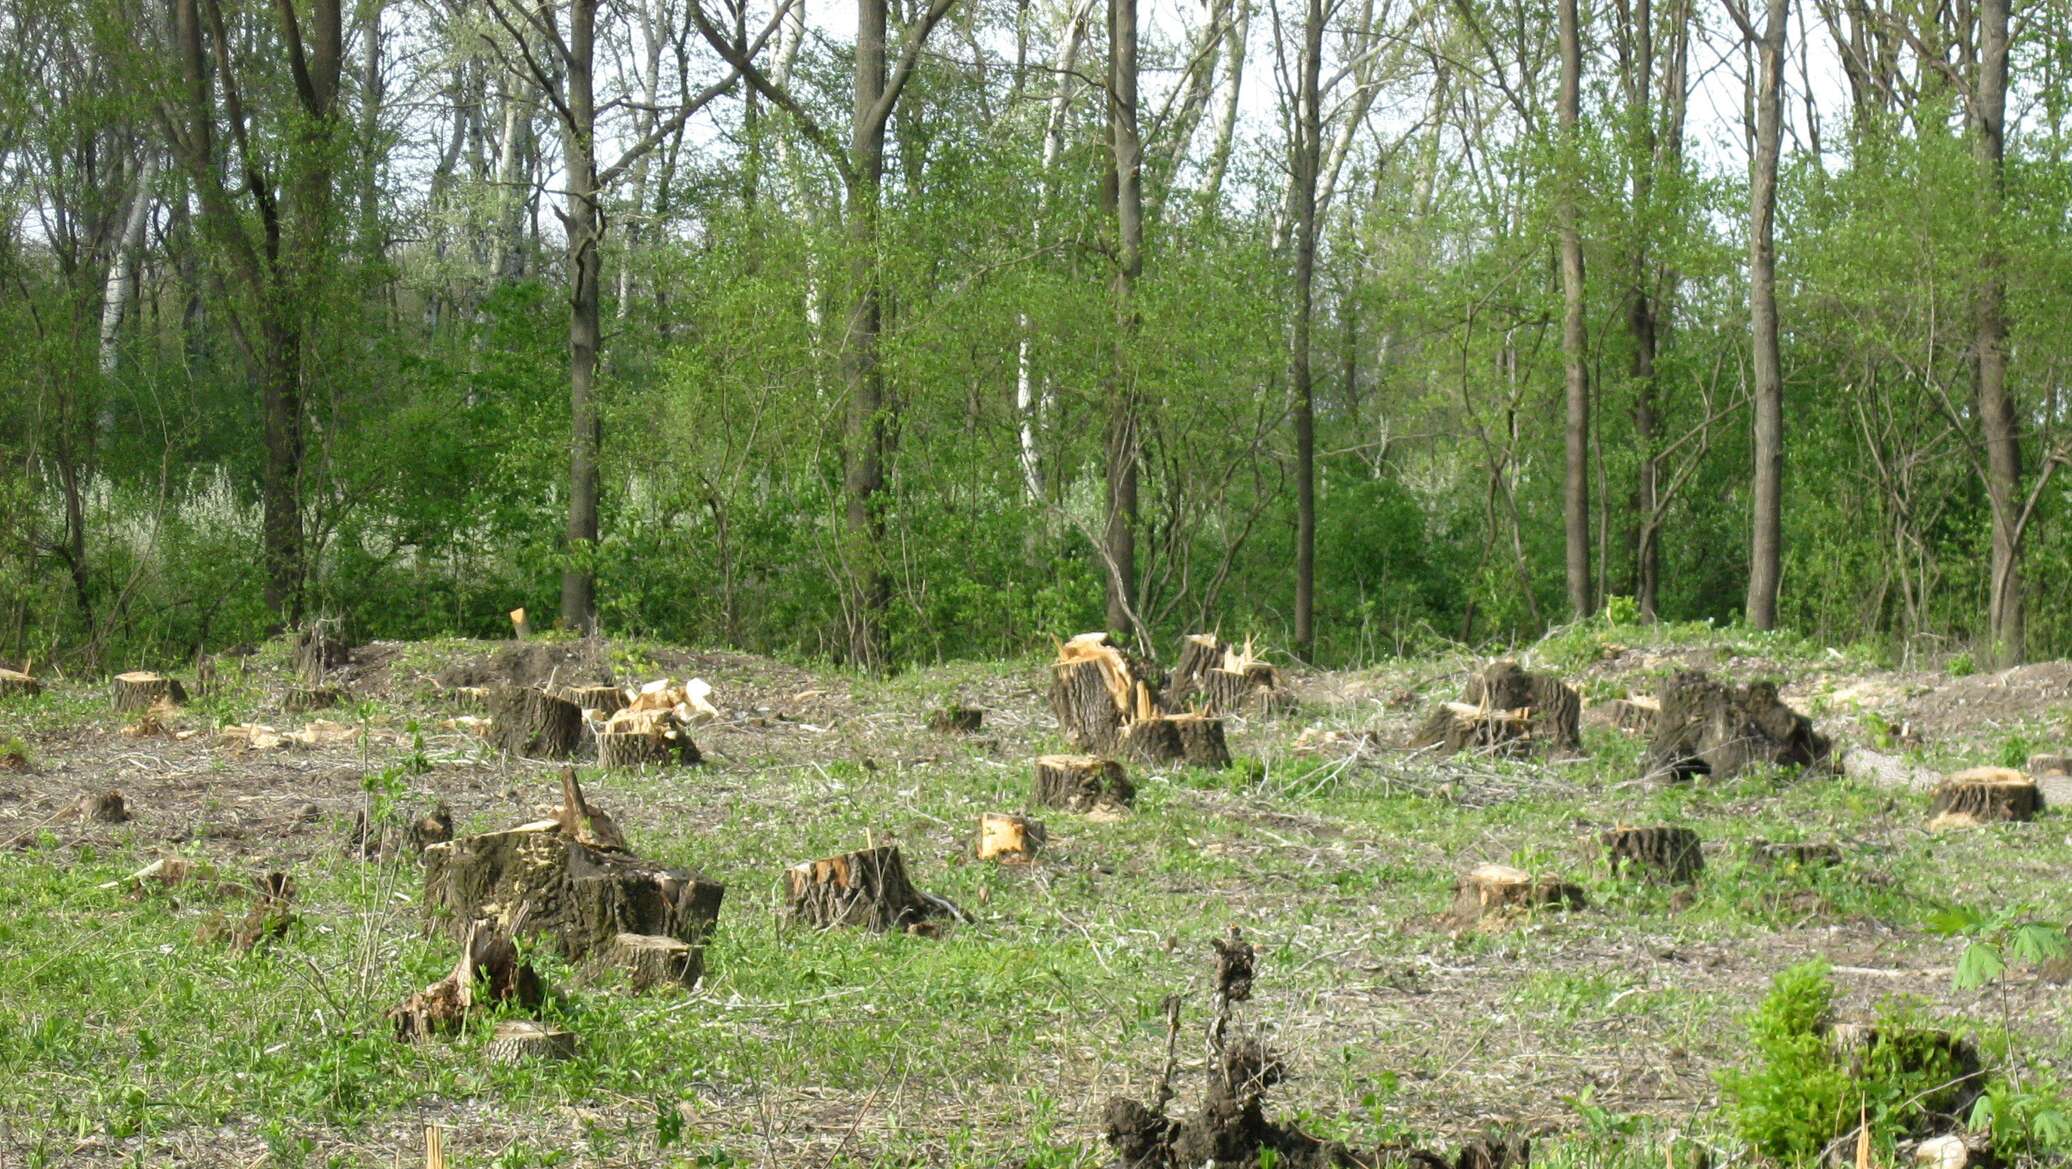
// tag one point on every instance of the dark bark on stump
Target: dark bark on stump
(1199, 653)
(1794, 854)
(1088, 714)
(868, 888)
(1555, 710)
(1712, 729)
(104, 807)
(534, 723)
(1457, 726)
(318, 651)
(600, 701)
(645, 749)
(14, 683)
(303, 699)
(956, 720)
(139, 690)
(1985, 794)
(1081, 783)
(1661, 853)
(651, 961)
(1497, 893)
(1201, 741)
(520, 1040)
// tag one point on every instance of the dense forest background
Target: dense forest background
(912, 331)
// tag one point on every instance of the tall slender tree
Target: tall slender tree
(1765, 565)
(1304, 158)
(1575, 487)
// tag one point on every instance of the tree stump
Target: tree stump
(1006, 837)
(520, 1040)
(1796, 854)
(1096, 689)
(1636, 714)
(867, 888)
(2055, 763)
(650, 961)
(140, 690)
(1553, 710)
(1490, 895)
(270, 917)
(956, 720)
(637, 749)
(1459, 726)
(303, 699)
(1660, 853)
(1984, 794)
(1711, 729)
(318, 651)
(542, 878)
(490, 970)
(1230, 691)
(104, 807)
(527, 721)
(1199, 653)
(596, 702)
(15, 684)
(1082, 783)
(1153, 740)
(1201, 740)
(434, 827)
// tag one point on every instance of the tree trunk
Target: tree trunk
(1226, 117)
(122, 272)
(584, 226)
(863, 452)
(1575, 494)
(1128, 151)
(1765, 566)
(1306, 156)
(1997, 416)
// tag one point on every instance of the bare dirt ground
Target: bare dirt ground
(125, 1040)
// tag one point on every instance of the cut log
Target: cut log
(539, 879)
(1493, 895)
(14, 683)
(1459, 726)
(597, 702)
(1201, 740)
(318, 651)
(651, 961)
(867, 888)
(1006, 837)
(1096, 689)
(140, 690)
(1984, 794)
(1082, 783)
(1794, 854)
(640, 749)
(520, 1040)
(531, 722)
(303, 699)
(956, 720)
(1660, 853)
(520, 627)
(104, 807)
(1554, 711)
(1707, 728)
(490, 970)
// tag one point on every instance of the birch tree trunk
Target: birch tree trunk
(121, 288)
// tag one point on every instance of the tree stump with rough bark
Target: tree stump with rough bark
(490, 970)
(1257, 686)
(596, 702)
(1553, 709)
(1982, 795)
(318, 651)
(1010, 838)
(956, 720)
(104, 807)
(568, 883)
(1659, 853)
(1153, 740)
(1096, 690)
(1459, 726)
(1493, 895)
(1201, 740)
(637, 749)
(1199, 653)
(522, 1040)
(651, 961)
(531, 722)
(1082, 783)
(867, 888)
(140, 690)
(1795, 854)
(1708, 728)
(434, 827)
(303, 699)
(1635, 714)
(15, 684)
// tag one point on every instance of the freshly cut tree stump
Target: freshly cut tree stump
(569, 883)
(651, 961)
(1226, 691)
(104, 807)
(645, 749)
(867, 888)
(1199, 653)
(1201, 740)
(1661, 853)
(1984, 794)
(1799, 854)
(1214, 677)
(140, 690)
(534, 723)
(956, 720)
(1004, 836)
(519, 1040)
(1712, 729)
(597, 702)
(2039, 765)
(1153, 740)
(303, 699)
(1096, 690)
(318, 651)
(1553, 709)
(1489, 895)
(490, 970)
(1460, 726)
(14, 682)
(1082, 783)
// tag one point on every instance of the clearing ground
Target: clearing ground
(125, 1039)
